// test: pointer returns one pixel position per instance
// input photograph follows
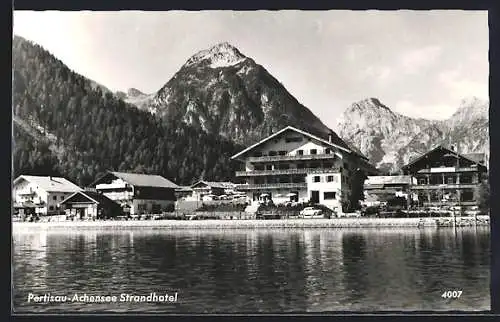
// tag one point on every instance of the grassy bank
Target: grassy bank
(255, 224)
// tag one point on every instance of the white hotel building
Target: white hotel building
(294, 165)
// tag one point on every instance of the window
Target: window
(257, 154)
(300, 152)
(62, 197)
(272, 153)
(51, 207)
(421, 181)
(301, 166)
(316, 179)
(259, 167)
(314, 151)
(269, 167)
(54, 197)
(330, 178)
(328, 195)
(282, 152)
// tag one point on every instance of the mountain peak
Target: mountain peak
(220, 55)
(133, 92)
(369, 103)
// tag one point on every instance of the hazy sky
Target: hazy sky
(419, 63)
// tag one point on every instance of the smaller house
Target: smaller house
(138, 193)
(90, 204)
(207, 189)
(40, 194)
(379, 189)
(183, 192)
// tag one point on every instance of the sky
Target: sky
(418, 63)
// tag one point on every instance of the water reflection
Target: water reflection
(258, 270)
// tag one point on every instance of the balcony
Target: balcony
(443, 186)
(292, 157)
(448, 170)
(255, 173)
(244, 187)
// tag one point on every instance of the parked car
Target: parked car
(311, 212)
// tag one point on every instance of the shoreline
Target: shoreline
(256, 224)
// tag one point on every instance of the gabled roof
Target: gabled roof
(447, 151)
(93, 196)
(214, 184)
(142, 180)
(476, 157)
(344, 148)
(50, 184)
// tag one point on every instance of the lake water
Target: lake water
(241, 271)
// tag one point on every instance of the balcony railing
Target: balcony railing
(243, 187)
(292, 157)
(448, 170)
(255, 173)
(443, 186)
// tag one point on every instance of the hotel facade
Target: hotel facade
(292, 165)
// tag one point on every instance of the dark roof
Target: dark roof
(94, 196)
(142, 180)
(440, 147)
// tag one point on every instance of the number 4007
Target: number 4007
(451, 294)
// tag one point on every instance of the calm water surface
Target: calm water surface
(312, 270)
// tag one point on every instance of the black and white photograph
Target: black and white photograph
(250, 162)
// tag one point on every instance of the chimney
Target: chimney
(330, 137)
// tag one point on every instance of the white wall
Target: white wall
(291, 148)
(116, 183)
(324, 186)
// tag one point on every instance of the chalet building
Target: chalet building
(297, 166)
(183, 192)
(90, 205)
(444, 177)
(41, 194)
(383, 188)
(138, 193)
(202, 189)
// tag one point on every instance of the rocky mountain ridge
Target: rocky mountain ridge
(391, 139)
